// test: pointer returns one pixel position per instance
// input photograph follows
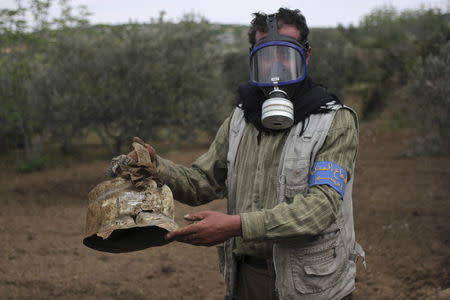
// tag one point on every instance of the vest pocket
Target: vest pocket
(297, 173)
(318, 268)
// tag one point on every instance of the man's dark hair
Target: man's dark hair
(284, 16)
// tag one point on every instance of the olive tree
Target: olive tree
(428, 102)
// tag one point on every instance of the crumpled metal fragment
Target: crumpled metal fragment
(132, 211)
(136, 171)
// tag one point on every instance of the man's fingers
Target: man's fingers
(181, 233)
(193, 217)
(197, 216)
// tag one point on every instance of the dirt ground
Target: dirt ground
(402, 212)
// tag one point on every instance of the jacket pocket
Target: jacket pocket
(318, 268)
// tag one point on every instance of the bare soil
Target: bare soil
(402, 214)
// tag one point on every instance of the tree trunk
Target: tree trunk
(105, 140)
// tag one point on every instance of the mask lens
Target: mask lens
(277, 63)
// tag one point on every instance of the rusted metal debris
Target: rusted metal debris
(132, 211)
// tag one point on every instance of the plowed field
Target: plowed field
(402, 213)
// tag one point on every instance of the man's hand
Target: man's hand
(211, 229)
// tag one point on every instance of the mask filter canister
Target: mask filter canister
(277, 111)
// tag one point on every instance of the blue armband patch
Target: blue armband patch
(327, 172)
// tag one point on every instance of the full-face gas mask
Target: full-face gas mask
(277, 61)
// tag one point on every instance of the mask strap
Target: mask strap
(272, 26)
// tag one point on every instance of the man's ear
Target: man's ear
(308, 55)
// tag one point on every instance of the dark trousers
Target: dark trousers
(256, 281)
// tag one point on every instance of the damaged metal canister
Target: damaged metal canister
(129, 213)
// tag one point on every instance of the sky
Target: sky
(318, 13)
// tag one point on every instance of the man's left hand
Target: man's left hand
(211, 228)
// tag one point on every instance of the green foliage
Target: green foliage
(429, 90)
(235, 69)
(144, 78)
(25, 60)
(389, 45)
(402, 38)
(32, 165)
(334, 60)
(61, 78)
(428, 102)
(64, 79)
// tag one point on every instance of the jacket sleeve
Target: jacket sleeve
(205, 180)
(313, 213)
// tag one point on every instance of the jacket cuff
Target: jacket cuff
(252, 224)
(163, 167)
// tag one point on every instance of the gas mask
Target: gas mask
(276, 62)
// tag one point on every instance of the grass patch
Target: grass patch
(32, 165)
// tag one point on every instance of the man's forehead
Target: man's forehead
(285, 29)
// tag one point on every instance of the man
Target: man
(285, 161)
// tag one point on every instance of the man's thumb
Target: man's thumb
(195, 216)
